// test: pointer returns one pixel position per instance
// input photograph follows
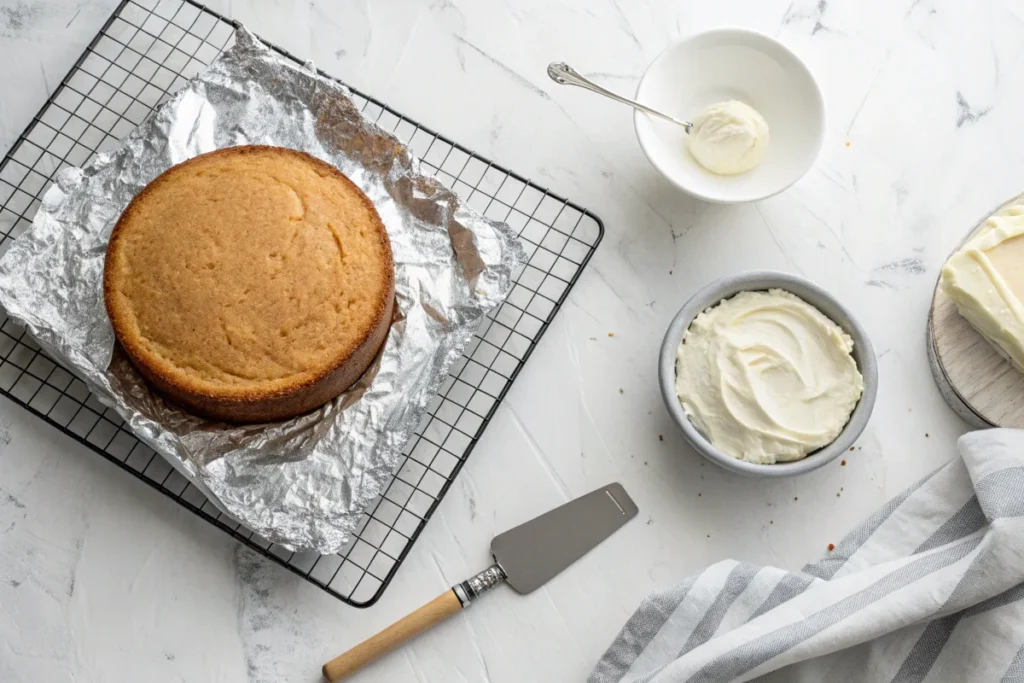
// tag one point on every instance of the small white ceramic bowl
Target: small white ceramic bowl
(863, 354)
(732, 64)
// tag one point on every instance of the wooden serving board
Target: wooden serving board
(977, 382)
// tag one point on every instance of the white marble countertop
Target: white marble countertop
(102, 579)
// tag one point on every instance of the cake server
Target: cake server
(525, 557)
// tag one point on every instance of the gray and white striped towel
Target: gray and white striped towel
(928, 589)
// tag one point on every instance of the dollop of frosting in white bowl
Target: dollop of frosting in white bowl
(729, 138)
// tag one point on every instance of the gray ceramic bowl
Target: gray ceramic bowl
(863, 354)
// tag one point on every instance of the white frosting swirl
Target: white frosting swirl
(766, 377)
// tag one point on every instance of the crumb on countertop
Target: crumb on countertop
(621, 391)
(843, 463)
(611, 334)
(661, 437)
(831, 547)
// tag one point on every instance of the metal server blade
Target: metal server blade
(534, 552)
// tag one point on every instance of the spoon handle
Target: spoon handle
(564, 74)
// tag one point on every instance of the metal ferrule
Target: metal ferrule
(473, 588)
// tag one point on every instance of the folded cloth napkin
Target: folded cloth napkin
(928, 589)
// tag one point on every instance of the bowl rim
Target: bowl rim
(761, 280)
(733, 30)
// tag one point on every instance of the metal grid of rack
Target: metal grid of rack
(146, 51)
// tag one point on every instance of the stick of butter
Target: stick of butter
(985, 278)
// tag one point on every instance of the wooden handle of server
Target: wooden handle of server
(435, 611)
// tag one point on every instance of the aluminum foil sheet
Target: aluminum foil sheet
(303, 482)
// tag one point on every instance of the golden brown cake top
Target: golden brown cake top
(247, 271)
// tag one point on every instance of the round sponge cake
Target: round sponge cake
(250, 284)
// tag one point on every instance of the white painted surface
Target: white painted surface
(102, 579)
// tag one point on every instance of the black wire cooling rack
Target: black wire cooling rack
(146, 51)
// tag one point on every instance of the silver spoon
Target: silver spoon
(564, 74)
